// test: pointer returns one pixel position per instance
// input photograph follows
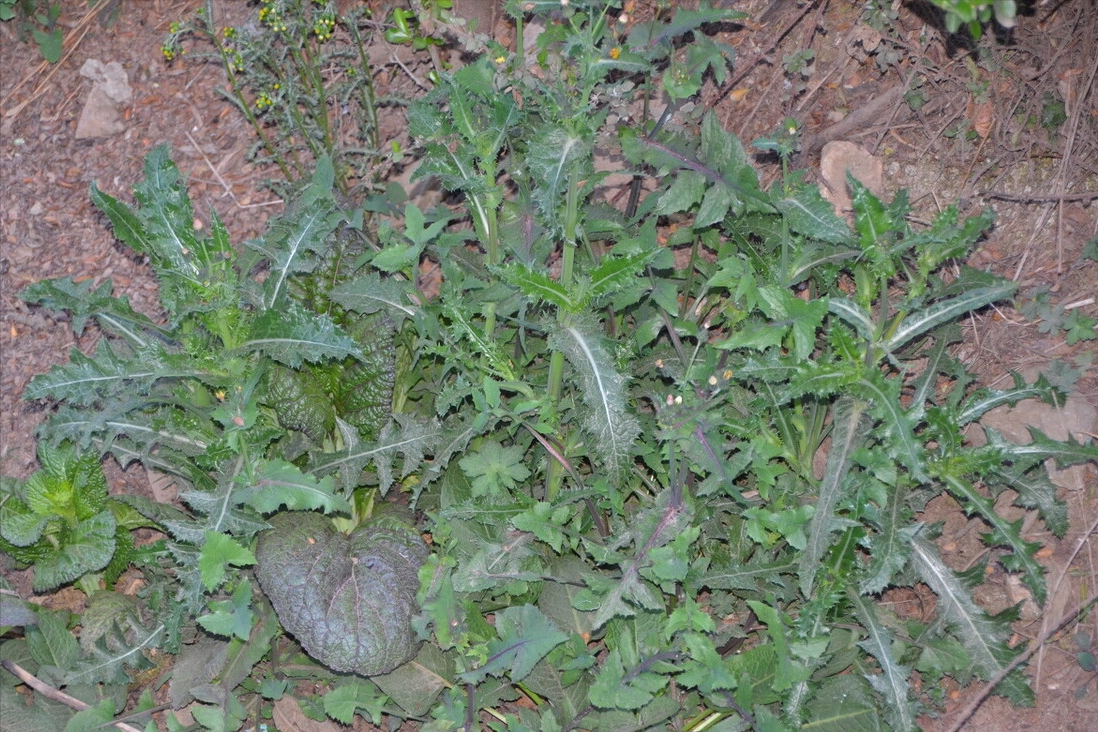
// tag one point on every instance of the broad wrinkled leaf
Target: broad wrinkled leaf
(347, 599)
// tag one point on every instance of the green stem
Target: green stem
(227, 64)
(305, 71)
(554, 474)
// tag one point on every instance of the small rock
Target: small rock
(110, 94)
(111, 78)
(840, 157)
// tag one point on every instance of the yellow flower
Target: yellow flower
(615, 52)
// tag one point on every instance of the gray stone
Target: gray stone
(109, 96)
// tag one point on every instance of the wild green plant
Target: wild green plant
(670, 455)
(217, 395)
(62, 521)
(667, 456)
(975, 14)
(36, 19)
(300, 74)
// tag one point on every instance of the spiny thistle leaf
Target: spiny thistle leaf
(539, 287)
(925, 319)
(890, 548)
(553, 153)
(849, 429)
(892, 682)
(404, 436)
(525, 637)
(278, 483)
(1005, 533)
(85, 380)
(1041, 447)
(982, 636)
(295, 240)
(292, 335)
(114, 314)
(808, 213)
(897, 425)
(369, 294)
(984, 400)
(115, 634)
(608, 419)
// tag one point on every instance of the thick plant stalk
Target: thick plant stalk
(554, 473)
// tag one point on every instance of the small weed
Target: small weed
(300, 73)
(37, 20)
(1052, 318)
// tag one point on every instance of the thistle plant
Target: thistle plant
(665, 460)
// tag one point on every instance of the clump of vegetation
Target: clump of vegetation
(300, 73)
(668, 456)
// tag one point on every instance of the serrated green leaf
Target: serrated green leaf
(554, 155)
(278, 483)
(231, 618)
(163, 226)
(92, 719)
(810, 215)
(218, 552)
(892, 683)
(292, 336)
(615, 687)
(802, 319)
(705, 671)
(788, 671)
(685, 192)
(1041, 447)
(342, 702)
(855, 316)
(416, 684)
(525, 637)
(608, 418)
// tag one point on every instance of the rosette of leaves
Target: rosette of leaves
(347, 598)
(61, 520)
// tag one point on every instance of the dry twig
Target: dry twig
(56, 694)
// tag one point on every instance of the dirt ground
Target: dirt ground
(1018, 132)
